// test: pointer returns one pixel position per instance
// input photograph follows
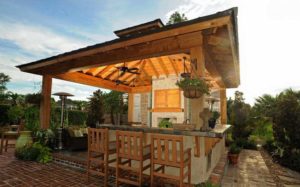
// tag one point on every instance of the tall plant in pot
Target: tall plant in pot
(193, 87)
(233, 153)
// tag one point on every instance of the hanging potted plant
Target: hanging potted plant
(193, 87)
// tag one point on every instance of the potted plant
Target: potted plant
(233, 153)
(165, 124)
(193, 87)
(212, 121)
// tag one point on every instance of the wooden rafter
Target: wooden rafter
(163, 66)
(142, 65)
(173, 64)
(97, 70)
(153, 68)
(105, 70)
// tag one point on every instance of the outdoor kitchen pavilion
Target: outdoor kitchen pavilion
(155, 52)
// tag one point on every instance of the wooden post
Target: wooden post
(130, 107)
(223, 106)
(198, 63)
(45, 106)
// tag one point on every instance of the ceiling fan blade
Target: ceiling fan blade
(133, 72)
(133, 69)
(122, 73)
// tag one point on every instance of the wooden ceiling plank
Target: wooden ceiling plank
(174, 66)
(105, 70)
(163, 66)
(97, 70)
(153, 68)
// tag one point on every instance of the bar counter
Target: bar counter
(217, 132)
(207, 147)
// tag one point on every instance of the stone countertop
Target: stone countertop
(217, 132)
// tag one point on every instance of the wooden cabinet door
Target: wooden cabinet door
(173, 98)
(160, 99)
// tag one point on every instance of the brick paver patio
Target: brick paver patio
(251, 171)
(14, 172)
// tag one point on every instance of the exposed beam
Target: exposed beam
(95, 71)
(141, 89)
(173, 64)
(163, 66)
(92, 81)
(106, 69)
(218, 41)
(142, 65)
(153, 68)
(217, 22)
(166, 46)
(210, 66)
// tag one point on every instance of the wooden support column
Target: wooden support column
(130, 107)
(197, 59)
(45, 106)
(223, 106)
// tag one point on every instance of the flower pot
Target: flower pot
(212, 123)
(192, 93)
(24, 139)
(233, 158)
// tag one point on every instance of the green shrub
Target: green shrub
(27, 153)
(44, 155)
(15, 114)
(165, 124)
(77, 117)
(4, 117)
(34, 152)
(234, 148)
(32, 118)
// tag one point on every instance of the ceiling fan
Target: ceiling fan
(124, 69)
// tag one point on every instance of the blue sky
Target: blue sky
(32, 29)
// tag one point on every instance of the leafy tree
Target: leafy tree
(176, 17)
(264, 106)
(114, 104)
(239, 117)
(287, 120)
(95, 109)
(4, 79)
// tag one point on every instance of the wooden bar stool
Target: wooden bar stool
(130, 147)
(12, 134)
(167, 150)
(99, 151)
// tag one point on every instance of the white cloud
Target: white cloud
(268, 42)
(37, 39)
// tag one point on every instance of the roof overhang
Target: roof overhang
(217, 33)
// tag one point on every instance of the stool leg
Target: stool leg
(2, 139)
(88, 167)
(117, 171)
(6, 144)
(106, 170)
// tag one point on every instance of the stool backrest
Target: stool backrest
(130, 144)
(167, 149)
(98, 140)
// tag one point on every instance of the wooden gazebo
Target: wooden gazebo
(209, 45)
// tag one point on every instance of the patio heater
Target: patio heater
(62, 96)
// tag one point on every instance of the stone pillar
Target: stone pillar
(130, 106)
(223, 106)
(45, 106)
(198, 62)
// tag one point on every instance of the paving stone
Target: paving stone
(289, 179)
